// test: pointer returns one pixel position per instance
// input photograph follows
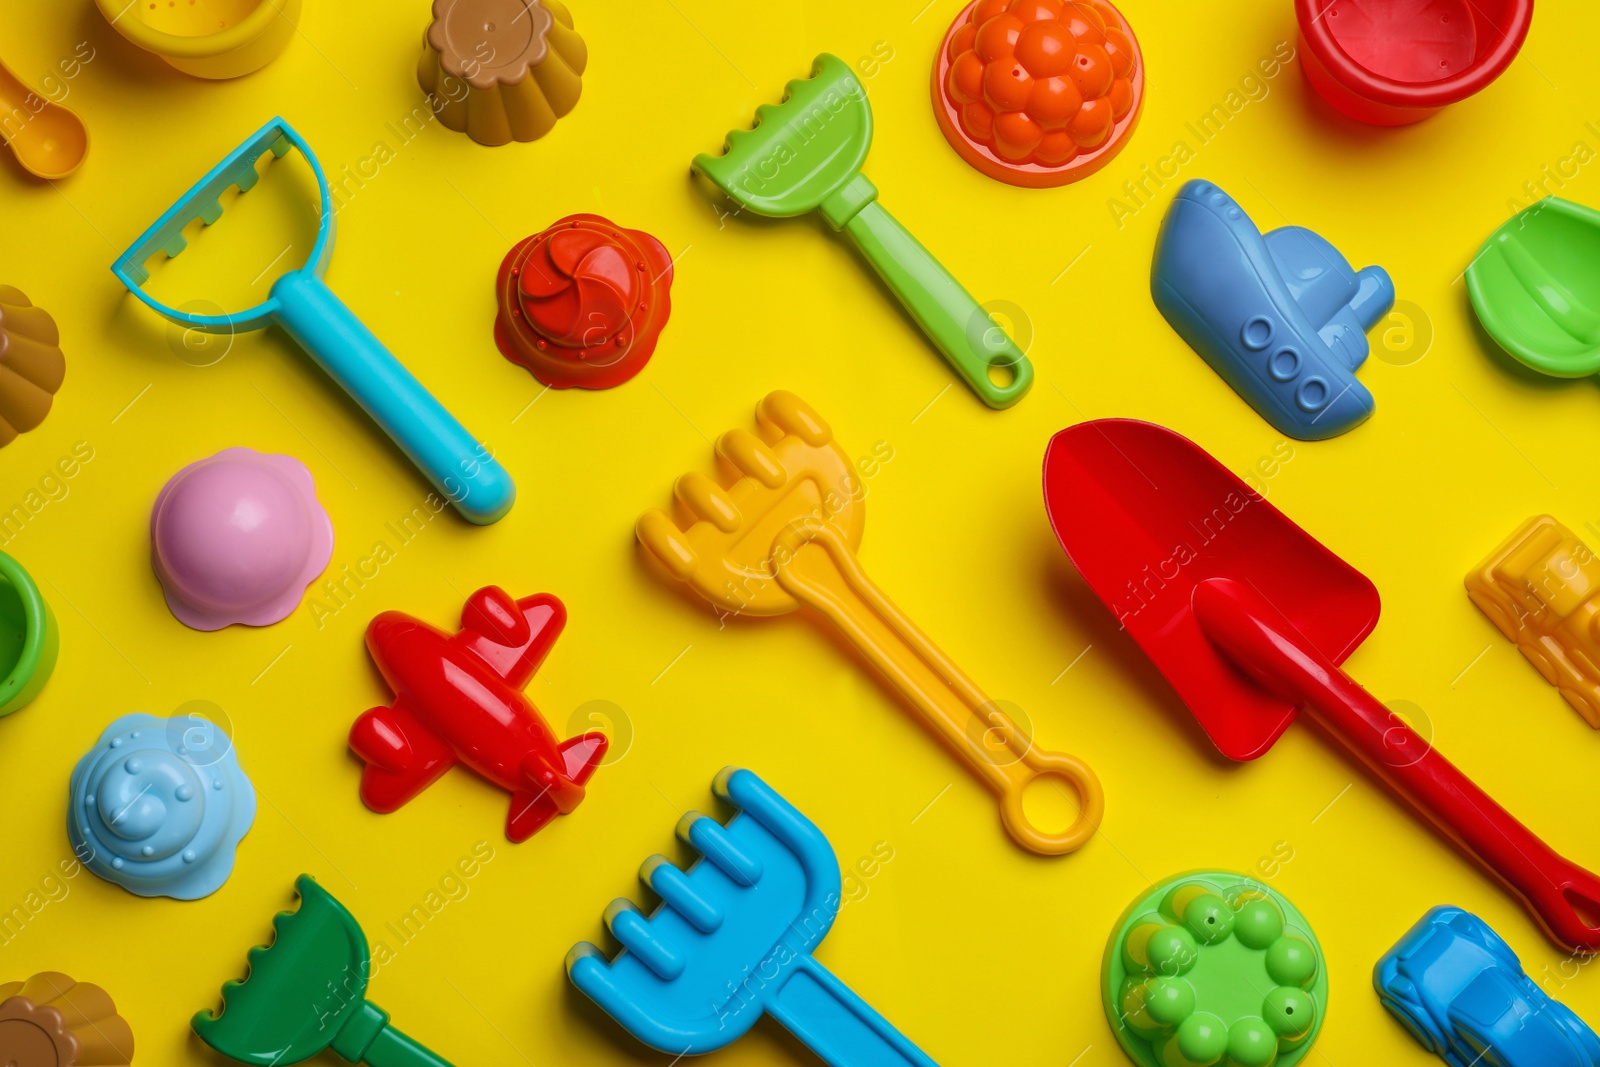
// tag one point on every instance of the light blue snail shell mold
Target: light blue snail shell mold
(159, 806)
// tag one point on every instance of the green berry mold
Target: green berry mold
(1213, 969)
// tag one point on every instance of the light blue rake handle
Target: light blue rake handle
(453, 460)
(836, 1024)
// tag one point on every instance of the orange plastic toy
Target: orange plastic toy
(779, 531)
(1539, 588)
(1038, 92)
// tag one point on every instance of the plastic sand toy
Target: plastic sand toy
(779, 532)
(732, 940)
(502, 70)
(1459, 990)
(1535, 285)
(1281, 316)
(52, 1021)
(1038, 92)
(159, 806)
(1249, 622)
(237, 537)
(207, 38)
(1539, 589)
(1213, 968)
(48, 139)
(583, 302)
(32, 366)
(459, 699)
(456, 463)
(318, 960)
(805, 155)
(29, 637)
(1393, 62)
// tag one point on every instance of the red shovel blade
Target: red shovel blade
(1146, 514)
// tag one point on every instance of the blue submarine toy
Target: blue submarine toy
(1281, 316)
(159, 806)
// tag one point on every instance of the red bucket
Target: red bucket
(1393, 62)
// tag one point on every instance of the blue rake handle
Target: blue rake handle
(840, 1027)
(456, 464)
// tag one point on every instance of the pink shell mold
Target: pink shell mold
(237, 537)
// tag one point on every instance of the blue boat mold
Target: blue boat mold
(1282, 317)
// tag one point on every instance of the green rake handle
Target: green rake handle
(967, 337)
(368, 1038)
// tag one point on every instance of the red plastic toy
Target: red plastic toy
(459, 700)
(583, 303)
(1248, 617)
(1394, 62)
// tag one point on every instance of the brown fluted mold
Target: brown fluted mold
(31, 364)
(502, 70)
(52, 1021)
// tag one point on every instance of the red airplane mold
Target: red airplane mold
(459, 699)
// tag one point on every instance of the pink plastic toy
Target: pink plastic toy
(237, 537)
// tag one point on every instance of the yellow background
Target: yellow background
(978, 951)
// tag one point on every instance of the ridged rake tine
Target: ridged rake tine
(679, 894)
(707, 837)
(631, 928)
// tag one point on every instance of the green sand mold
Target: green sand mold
(1213, 969)
(1535, 286)
(29, 640)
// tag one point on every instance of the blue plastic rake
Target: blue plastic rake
(733, 939)
(450, 457)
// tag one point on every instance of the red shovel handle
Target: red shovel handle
(1264, 644)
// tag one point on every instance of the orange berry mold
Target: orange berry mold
(1038, 93)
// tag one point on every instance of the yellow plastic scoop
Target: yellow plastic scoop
(779, 532)
(48, 139)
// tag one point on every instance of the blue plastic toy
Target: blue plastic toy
(456, 464)
(159, 806)
(733, 939)
(1282, 317)
(1462, 993)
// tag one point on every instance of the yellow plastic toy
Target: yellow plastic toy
(207, 38)
(1539, 588)
(779, 531)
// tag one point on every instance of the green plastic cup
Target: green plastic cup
(29, 639)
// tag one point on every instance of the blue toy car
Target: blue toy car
(1282, 317)
(1462, 993)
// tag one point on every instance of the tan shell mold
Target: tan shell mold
(502, 70)
(52, 1021)
(31, 364)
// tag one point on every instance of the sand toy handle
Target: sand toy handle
(837, 1025)
(964, 332)
(820, 570)
(1259, 639)
(456, 464)
(391, 1048)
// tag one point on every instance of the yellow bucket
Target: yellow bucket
(207, 38)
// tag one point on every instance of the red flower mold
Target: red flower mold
(583, 303)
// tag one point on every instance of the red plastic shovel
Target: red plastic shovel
(1248, 617)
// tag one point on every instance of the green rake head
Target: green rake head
(302, 992)
(802, 151)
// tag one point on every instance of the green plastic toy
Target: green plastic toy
(1213, 967)
(319, 959)
(805, 154)
(29, 640)
(1535, 285)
